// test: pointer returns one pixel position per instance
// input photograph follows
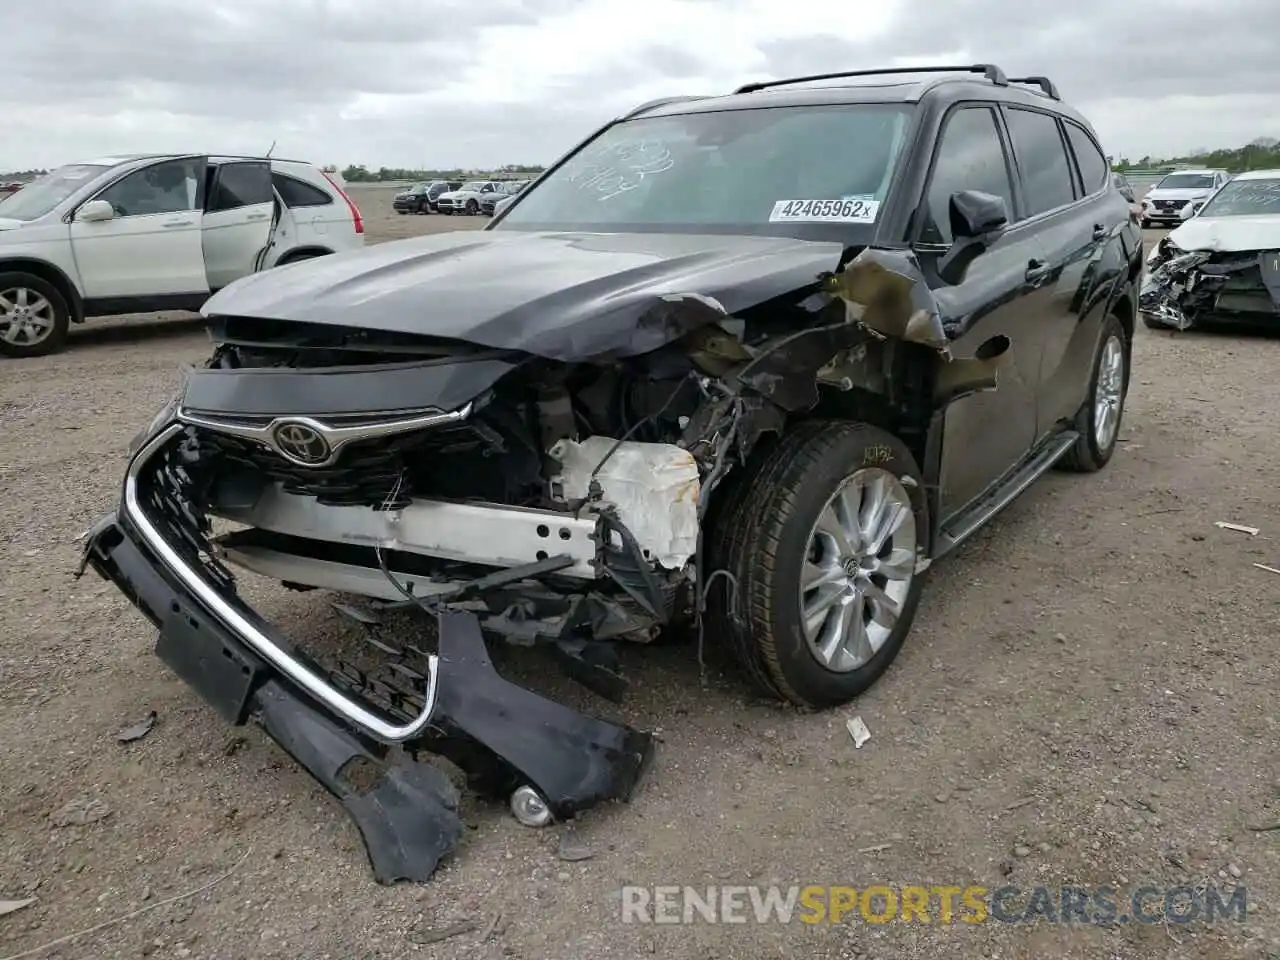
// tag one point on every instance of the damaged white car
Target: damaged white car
(1223, 265)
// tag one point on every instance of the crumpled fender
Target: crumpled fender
(885, 292)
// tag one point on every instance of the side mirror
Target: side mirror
(95, 211)
(977, 220)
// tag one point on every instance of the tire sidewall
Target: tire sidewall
(801, 670)
(1111, 328)
(61, 315)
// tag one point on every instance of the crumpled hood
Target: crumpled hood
(1228, 234)
(566, 296)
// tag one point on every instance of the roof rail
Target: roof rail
(988, 70)
(1044, 83)
(651, 104)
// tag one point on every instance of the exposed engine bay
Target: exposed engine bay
(1182, 288)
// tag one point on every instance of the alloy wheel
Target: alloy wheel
(860, 563)
(26, 317)
(1108, 394)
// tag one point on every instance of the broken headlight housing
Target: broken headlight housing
(158, 423)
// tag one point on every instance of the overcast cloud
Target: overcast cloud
(444, 83)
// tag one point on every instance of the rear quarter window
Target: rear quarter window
(1094, 169)
(295, 193)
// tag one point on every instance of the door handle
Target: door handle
(1100, 231)
(256, 216)
(1037, 270)
(179, 223)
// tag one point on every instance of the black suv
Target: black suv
(738, 368)
(421, 197)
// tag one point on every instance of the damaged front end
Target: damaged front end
(535, 498)
(1181, 289)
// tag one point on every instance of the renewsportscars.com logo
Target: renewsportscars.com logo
(936, 904)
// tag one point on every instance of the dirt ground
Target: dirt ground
(1088, 698)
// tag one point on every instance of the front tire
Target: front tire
(1099, 417)
(822, 535)
(472, 208)
(34, 316)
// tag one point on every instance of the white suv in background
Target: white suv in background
(1166, 201)
(156, 232)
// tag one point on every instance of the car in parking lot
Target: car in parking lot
(466, 199)
(648, 395)
(509, 188)
(422, 197)
(1223, 264)
(151, 232)
(1179, 194)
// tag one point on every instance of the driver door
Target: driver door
(151, 247)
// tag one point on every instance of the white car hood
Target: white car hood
(1181, 193)
(1229, 234)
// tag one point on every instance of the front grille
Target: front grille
(169, 491)
(1170, 204)
(366, 472)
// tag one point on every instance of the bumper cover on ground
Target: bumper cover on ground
(502, 735)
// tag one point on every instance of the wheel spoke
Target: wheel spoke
(818, 608)
(854, 629)
(829, 526)
(814, 575)
(6, 305)
(846, 506)
(898, 565)
(884, 609)
(40, 305)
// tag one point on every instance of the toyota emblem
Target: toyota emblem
(301, 443)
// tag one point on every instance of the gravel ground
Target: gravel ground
(1088, 698)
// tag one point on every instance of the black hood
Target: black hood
(565, 296)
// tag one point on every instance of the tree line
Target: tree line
(1262, 153)
(359, 173)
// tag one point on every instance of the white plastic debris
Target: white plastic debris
(1263, 566)
(13, 906)
(1238, 527)
(858, 730)
(654, 487)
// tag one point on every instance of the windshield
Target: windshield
(1243, 198)
(765, 170)
(419, 188)
(476, 185)
(40, 196)
(1186, 181)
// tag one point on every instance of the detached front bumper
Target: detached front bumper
(506, 738)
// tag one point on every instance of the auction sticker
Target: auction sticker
(856, 210)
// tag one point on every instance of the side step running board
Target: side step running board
(964, 525)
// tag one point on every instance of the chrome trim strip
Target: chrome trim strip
(335, 437)
(280, 658)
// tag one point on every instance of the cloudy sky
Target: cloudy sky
(443, 83)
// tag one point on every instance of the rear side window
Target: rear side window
(240, 185)
(1094, 168)
(295, 193)
(1042, 158)
(970, 157)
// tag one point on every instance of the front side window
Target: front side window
(1245, 198)
(169, 187)
(1042, 159)
(1188, 181)
(772, 170)
(970, 157)
(41, 196)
